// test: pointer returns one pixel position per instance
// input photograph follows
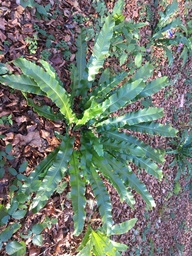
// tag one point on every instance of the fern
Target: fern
(132, 118)
(154, 129)
(22, 83)
(49, 85)
(98, 243)
(53, 176)
(122, 96)
(96, 143)
(101, 48)
(103, 199)
(155, 154)
(77, 192)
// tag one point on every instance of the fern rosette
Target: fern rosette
(96, 144)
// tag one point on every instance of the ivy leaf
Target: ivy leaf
(138, 60)
(38, 228)
(15, 248)
(37, 240)
(19, 214)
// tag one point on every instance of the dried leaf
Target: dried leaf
(32, 139)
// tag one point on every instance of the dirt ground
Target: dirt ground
(166, 230)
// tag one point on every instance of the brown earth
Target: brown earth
(163, 231)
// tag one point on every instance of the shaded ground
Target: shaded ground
(164, 231)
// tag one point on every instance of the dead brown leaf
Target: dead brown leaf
(32, 139)
(2, 36)
(3, 22)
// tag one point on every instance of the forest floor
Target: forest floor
(165, 230)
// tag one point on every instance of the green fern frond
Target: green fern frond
(44, 110)
(123, 227)
(140, 188)
(122, 96)
(111, 175)
(101, 48)
(132, 118)
(118, 8)
(87, 250)
(154, 129)
(54, 175)
(35, 178)
(50, 70)
(77, 193)
(155, 154)
(92, 112)
(98, 243)
(49, 85)
(22, 83)
(95, 142)
(144, 72)
(103, 199)
(105, 87)
(133, 181)
(102, 244)
(81, 55)
(153, 87)
(81, 73)
(134, 154)
(146, 164)
(120, 169)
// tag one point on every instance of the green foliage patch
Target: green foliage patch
(99, 143)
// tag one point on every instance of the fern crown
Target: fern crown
(98, 143)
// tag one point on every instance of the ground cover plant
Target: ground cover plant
(97, 144)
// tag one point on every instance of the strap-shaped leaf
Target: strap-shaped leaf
(48, 84)
(102, 244)
(33, 183)
(81, 65)
(131, 180)
(81, 55)
(119, 247)
(135, 183)
(120, 169)
(123, 96)
(103, 199)
(22, 83)
(132, 118)
(154, 86)
(77, 193)
(87, 250)
(155, 154)
(54, 175)
(34, 179)
(95, 142)
(146, 164)
(110, 174)
(144, 72)
(123, 227)
(50, 70)
(118, 8)
(122, 147)
(102, 91)
(101, 48)
(86, 239)
(93, 111)
(44, 110)
(154, 129)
